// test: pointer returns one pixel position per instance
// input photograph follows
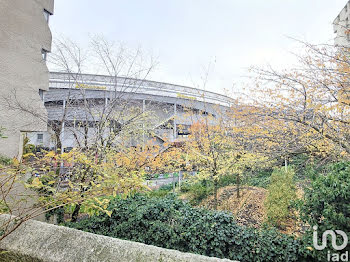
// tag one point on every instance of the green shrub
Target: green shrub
(5, 160)
(186, 186)
(171, 223)
(161, 192)
(307, 167)
(2, 130)
(58, 212)
(167, 187)
(197, 190)
(260, 178)
(28, 148)
(281, 192)
(326, 204)
(227, 180)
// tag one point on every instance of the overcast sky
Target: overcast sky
(189, 36)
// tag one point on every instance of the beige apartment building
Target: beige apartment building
(25, 40)
(341, 27)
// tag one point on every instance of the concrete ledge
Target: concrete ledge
(38, 241)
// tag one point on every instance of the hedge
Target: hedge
(171, 223)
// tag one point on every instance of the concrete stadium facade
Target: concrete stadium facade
(173, 105)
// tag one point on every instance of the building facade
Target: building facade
(77, 103)
(341, 27)
(25, 39)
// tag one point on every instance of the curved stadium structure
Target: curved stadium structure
(173, 105)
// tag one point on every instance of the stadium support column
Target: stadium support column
(175, 130)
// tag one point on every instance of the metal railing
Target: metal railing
(124, 84)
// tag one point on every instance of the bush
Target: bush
(171, 223)
(326, 204)
(161, 192)
(281, 192)
(168, 187)
(307, 167)
(2, 130)
(227, 180)
(5, 160)
(198, 190)
(258, 179)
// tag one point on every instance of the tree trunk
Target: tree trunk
(86, 133)
(238, 181)
(76, 213)
(286, 163)
(179, 180)
(58, 140)
(173, 183)
(215, 194)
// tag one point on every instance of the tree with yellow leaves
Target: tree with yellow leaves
(216, 148)
(308, 106)
(83, 178)
(275, 138)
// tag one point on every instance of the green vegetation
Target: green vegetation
(260, 178)
(327, 204)
(281, 192)
(170, 223)
(8, 256)
(161, 191)
(306, 127)
(5, 160)
(327, 200)
(28, 149)
(197, 191)
(2, 132)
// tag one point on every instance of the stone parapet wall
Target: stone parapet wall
(38, 241)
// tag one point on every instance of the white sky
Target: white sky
(189, 36)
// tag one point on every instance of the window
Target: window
(44, 54)
(40, 138)
(41, 94)
(47, 15)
